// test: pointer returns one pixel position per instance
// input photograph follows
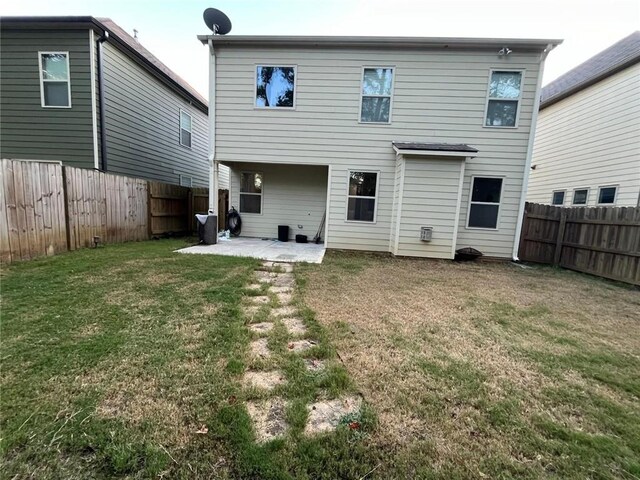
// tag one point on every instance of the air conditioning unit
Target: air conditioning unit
(426, 233)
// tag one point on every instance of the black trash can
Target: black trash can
(283, 233)
(208, 229)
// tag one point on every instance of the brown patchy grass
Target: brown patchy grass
(467, 360)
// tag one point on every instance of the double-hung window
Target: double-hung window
(607, 195)
(503, 99)
(558, 197)
(55, 84)
(275, 86)
(362, 196)
(185, 129)
(251, 192)
(484, 206)
(377, 88)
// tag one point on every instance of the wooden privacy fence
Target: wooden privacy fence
(603, 241)
(46, 208)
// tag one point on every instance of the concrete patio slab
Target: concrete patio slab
(270, 250)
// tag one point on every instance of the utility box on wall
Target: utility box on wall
(426, 233)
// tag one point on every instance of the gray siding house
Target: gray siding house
(587, 148)
(83, 91)
(414, 146)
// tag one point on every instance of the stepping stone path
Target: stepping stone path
(294, 326)
(268, 416)
(264, 380)
(263, 327)
(325, 416)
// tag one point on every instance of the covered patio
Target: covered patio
(267, 249)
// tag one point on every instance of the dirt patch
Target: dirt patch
(259, 348)
(263, 380)
(294, 326)
(268, 419)
(158, 279)
(300, 345)
(326, 415)
(262, 327)
(88, 330)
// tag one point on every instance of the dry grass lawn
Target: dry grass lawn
(487, 370)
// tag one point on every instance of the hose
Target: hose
(234, 222)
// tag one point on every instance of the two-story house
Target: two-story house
(83, 91)
(414, 146)
(587, 148)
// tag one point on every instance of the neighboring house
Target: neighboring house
(83, 91)
(385, 135)
(587, 147)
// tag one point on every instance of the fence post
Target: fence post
(560, 237)
(149, 216)
(65, 197)
(190, 213)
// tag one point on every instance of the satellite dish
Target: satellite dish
(217, 21)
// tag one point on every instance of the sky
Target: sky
(169, 28)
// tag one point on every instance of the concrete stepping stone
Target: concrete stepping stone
(265, 277)
(278, 266)
(286, 311)
(280, 289)
(264, 380)
(251, 310)
(259, 348)
(262, 327)
(259, 300)
(326, 415)
(254, 287)
(300, 345)
(283, 280)
(314, 366)
(295, 326)
(268, 419)
(284, 298)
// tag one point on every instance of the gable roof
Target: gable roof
(130, 46)
(617, 57)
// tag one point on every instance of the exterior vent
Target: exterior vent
(426, 233)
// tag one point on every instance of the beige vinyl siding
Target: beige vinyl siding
(438, 96)
(429, 199)
(590, 139)
(223, 177)
(292, 195)
(30, 131)
(395, 211)
(143, 125)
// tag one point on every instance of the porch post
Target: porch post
(213, 164)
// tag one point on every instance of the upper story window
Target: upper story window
(580, 196)
(362, 196)
(251, 192)
(185, 129)
(484, 206)
(503, 100)
(377, 88)
(558, 197)
(55, 84)
(607, 195)
(275, 86)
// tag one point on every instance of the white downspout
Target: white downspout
(527, 165)
(213, 164)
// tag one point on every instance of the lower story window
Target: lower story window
(362, 196)
(580, 196)
(607, 195)
(251, 192)
(558, 198)
(484, 207)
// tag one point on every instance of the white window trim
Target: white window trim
(519, 99)
(564, 197)
(184, 177)
(255, 86)
(375, 198)
(615, 195)
(240, 193)
(573, 196)
(180, 129)
(473, 179)
(43, 80)
(362, 95)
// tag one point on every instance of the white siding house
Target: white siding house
(587, 147)
(385, 135)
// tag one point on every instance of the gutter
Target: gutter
(101, 102)
(527, 165)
